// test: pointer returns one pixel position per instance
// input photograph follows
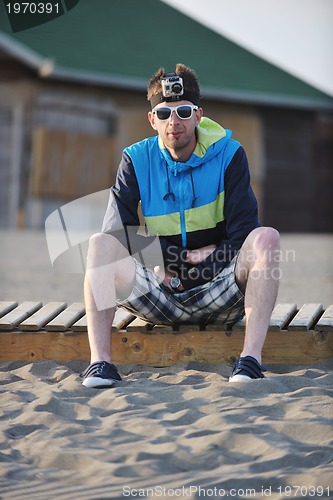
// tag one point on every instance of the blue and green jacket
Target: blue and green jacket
(188, 205)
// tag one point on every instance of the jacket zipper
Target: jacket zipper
(181, 210)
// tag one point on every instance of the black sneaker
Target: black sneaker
(100, 375)
(246, 369)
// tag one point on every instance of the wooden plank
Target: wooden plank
(66, 318)
(191, 328)
(164, 345)
(281, 316)
(43, 316)
(6, 307)
(216, 347)
(59, 163)
(299, 347)
(325, 323)
(162, 329)
(43, 346)
(306, 317)
(16, 316)
(80, 325)
(139, 325)
(218, 327)
(121, 319)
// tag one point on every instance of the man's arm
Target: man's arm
(122, 209)
(122, 220)
(241, 216)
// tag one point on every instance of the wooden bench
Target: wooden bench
(33, 332)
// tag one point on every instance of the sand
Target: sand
(177, 432)
(175, 428)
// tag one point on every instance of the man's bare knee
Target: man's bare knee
(109, 260)
(261, 245)
(262, 242)
(103, 240)
(266, 238)
(105, 249)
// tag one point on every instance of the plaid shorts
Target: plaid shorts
(218, 301)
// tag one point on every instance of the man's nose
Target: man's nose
(174, 118)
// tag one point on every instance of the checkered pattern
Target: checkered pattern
(218, 301)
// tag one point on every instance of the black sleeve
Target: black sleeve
(122, 209)
(122, 221)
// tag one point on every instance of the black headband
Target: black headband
(186, 96)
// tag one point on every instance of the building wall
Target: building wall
(299, 170)
(60, 141)
(63, 141)
(15, 131)
(246, 125)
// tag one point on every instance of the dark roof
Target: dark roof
(123, 42)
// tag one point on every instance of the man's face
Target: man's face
(177, 134)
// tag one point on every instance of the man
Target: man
(193, 182)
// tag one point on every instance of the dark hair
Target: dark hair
(190, 81)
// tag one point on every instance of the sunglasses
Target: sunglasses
(183, 112)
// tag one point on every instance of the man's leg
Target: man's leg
(257, 275)
(110, 273)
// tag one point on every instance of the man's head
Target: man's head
(183, 84)
(176, 110)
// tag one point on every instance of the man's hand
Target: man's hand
(167, 277)
(193, 257)
(199, 254)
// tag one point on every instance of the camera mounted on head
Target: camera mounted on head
(173, 90)
(172, 85)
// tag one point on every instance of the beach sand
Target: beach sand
(171, 428)
(176, 432)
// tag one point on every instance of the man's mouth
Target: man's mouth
(175, 134)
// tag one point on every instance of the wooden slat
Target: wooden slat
(325, 323)
(162, 329)
(66, 318)
(306, 317)
(6, 307)
(43, 316)
(80, 325)
(14, 317)
(139, 325)
(281, 315)
(121, 319)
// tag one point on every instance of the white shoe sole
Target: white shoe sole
(92, 382)
(240, 378)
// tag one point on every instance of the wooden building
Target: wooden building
(73, 95)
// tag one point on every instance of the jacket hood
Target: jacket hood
(211, 138)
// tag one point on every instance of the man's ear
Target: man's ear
(151, 118)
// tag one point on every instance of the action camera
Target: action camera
(172, 85)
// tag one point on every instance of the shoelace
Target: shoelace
(250, 366)
(100, 367)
